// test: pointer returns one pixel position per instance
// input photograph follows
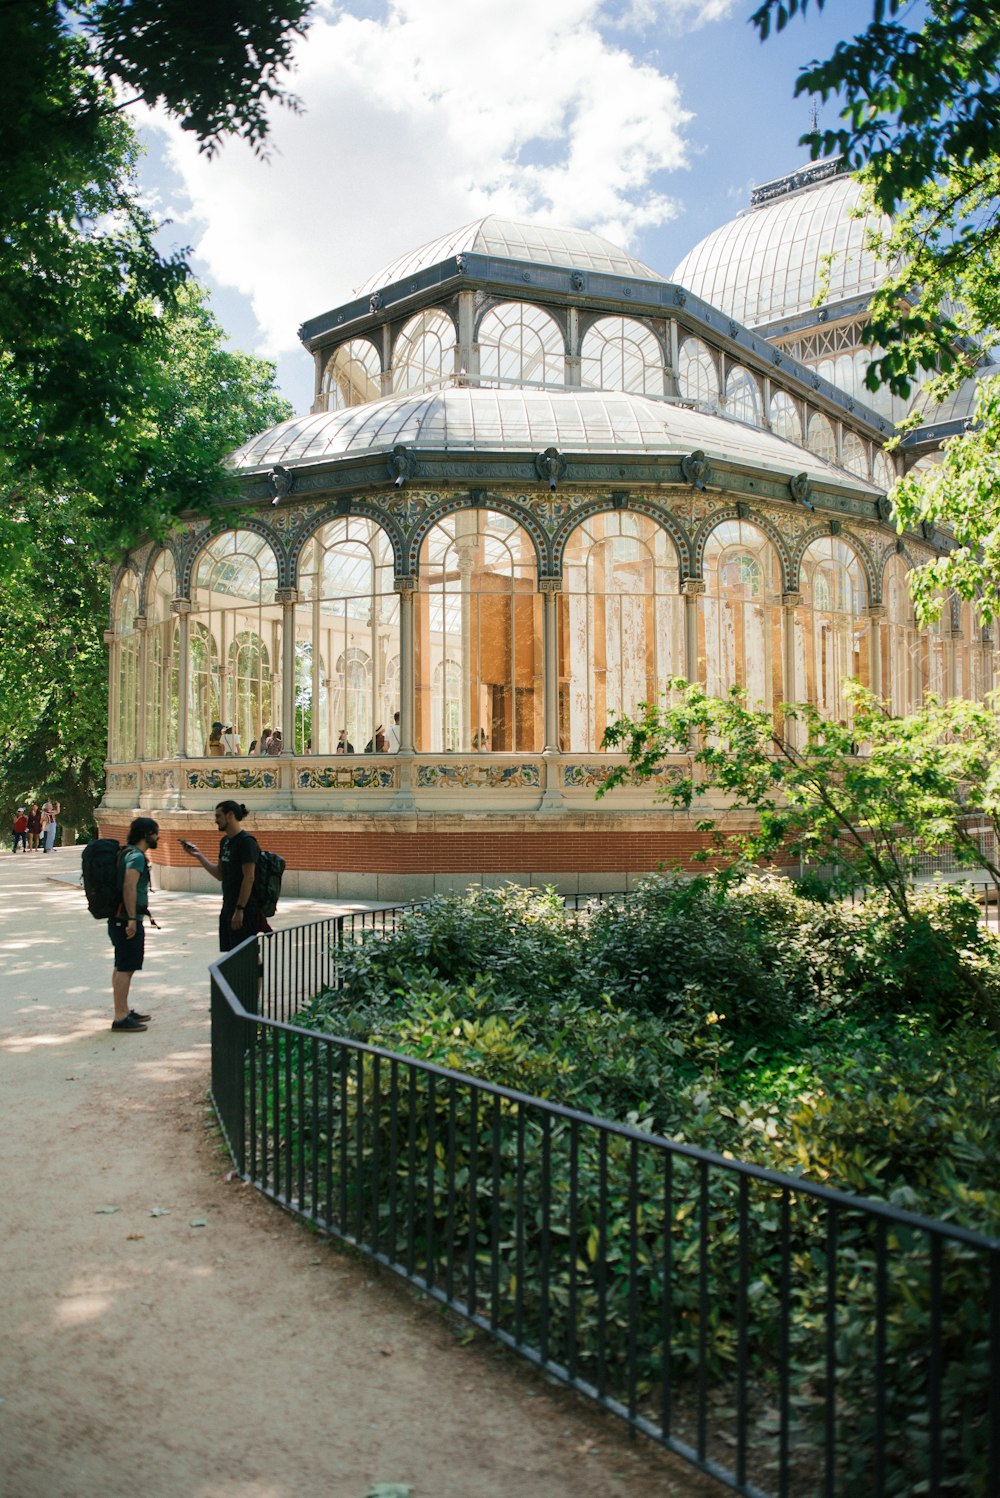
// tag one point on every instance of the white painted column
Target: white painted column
(876, 613)
(552, 800)
(692, 589)
(182, 608)
(406, 588)
(288, 598)
(142, 674)
(790, 665)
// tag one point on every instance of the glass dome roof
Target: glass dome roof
(576, 249)
(772, 261)
(959, 405)
(477, 420)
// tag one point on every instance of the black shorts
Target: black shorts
(253, 923)
(129, 950)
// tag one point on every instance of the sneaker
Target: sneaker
(130, 1022)
(143, 1019)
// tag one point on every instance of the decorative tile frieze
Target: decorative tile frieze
(231, 780)
(477, 776)
(347, 778)
(590, 776)
(123, 780)
(159, 780)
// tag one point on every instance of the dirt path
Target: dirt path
(144, 1356)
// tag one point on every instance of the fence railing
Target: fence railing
(784, 1338)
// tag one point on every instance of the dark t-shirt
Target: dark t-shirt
(234, 852)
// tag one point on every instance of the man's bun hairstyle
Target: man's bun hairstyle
(238, 810)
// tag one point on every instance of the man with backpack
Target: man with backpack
(125, 927)
(239, 855)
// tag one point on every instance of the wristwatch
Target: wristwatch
(241, 907)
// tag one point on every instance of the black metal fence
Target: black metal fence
(784, 1338)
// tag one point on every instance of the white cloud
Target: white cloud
(419, 122)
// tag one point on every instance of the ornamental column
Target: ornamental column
(182, 608)
(875, 613)
(142, 676)
(114, 686)
(550, 589)
(790, 665)
(692, 589)
(406, 590)
(288, 598)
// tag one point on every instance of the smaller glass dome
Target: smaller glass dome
(788, 254)
(575, 249)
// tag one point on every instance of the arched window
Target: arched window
(353, 375)
(785, 417)
(832, 632)
(620, 353)
(900, 649)
(162, 661)
(853, 456)
(621, 624)
(520, 345)
(697, 376)
(883, 473)
(820, 437)
(126, 715)
(204, 685)
(969, 672)
(478, 614)
(739, 634)
(235, 624)
(742, 396)
(423, 356)
(347, 614)
(248, 682)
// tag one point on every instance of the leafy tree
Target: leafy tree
(809, 792)
(921, 117)
(804, 791)
(200, 400)
(83, 289)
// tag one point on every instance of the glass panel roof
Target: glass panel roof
(771, 262)
(576, 249)
(463, 420)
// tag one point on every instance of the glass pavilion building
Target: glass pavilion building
(538, 479)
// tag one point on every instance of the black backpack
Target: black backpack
(267, 881)
(100, 862)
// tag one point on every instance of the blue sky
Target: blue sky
(646, 120)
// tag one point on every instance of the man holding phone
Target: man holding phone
(235, 868)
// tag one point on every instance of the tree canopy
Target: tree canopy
(84, 290)
(201, 399)
(920, 119)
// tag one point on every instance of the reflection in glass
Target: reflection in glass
(125, 717)
(785, 417)
(520, 345)
(352, 376)
(234, 640)
(621, 624)
(162, 661)
(697, 376)
(900, 644)
(742, 396)
(621, 353)
(739, 624)
(820, 438)
(479, 657)
(832, 633)
(423, 356)
(348, 617)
